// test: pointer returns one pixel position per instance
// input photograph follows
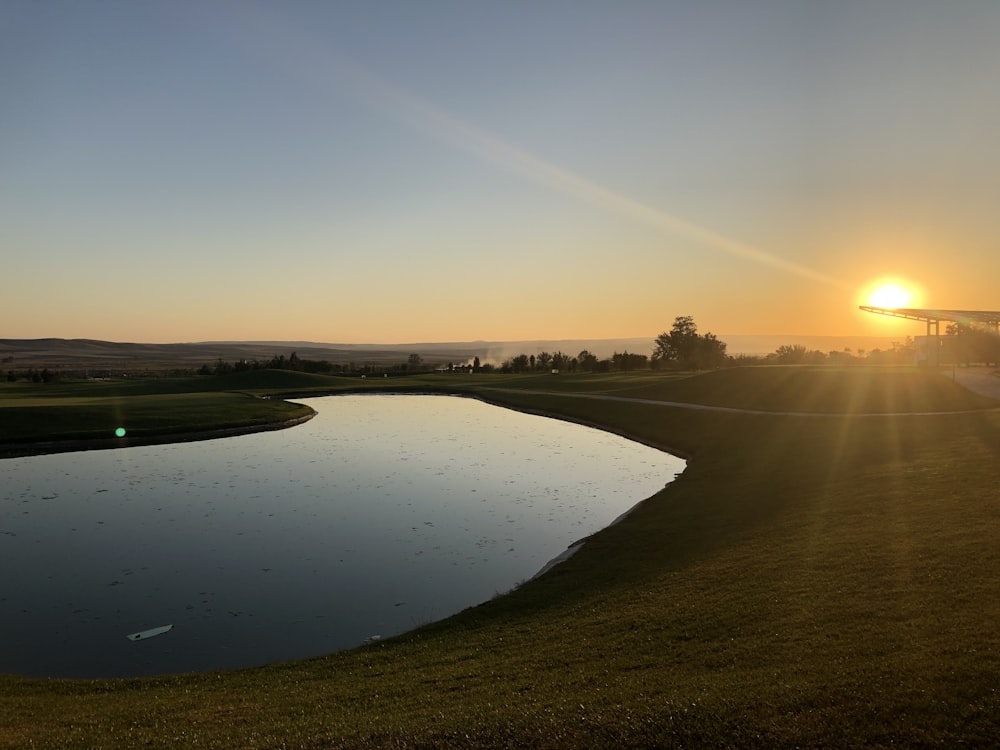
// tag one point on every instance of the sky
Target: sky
(393, 172)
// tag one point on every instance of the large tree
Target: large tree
(684, 348)
(586, 361)
(967, 344)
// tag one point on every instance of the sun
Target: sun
(891, 294)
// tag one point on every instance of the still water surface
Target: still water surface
(380, 514)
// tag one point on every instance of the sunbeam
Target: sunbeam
(316, 60)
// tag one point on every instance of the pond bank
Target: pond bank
(20, 450)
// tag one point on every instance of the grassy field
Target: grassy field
(807, 582)
(93, 410)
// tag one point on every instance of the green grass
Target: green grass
(93, 410)
(142, 416)
(800, 389)
(807, 582)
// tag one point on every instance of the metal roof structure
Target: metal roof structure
(933, 320)
(934, 317)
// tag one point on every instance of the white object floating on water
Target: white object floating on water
(144, 634)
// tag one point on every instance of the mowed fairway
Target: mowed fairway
(93, 411)
(808, 581)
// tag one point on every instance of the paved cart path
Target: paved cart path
(982, 380)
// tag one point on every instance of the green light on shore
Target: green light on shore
(120, 432)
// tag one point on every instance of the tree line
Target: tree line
(684, 348)
(295, 363)
(45, 375)
(680, 348)
(965, 345)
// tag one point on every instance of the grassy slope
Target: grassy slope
(806, 582)
(800, 389)
(144, 407)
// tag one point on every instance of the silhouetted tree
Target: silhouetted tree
(967, 344)
(624, 362)
(684, 348)
(586, 361)
(789, 354)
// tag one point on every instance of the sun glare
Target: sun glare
(891, 294)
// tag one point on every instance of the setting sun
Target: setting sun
(891, 294)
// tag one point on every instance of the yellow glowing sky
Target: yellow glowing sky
(398, 172)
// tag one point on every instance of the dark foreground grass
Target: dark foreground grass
(81, 413)
(796, 389)
(807, 582)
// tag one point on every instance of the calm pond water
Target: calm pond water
(380, 514)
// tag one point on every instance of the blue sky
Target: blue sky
(435, 171)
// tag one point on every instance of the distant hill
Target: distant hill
(93, 354)
(88, 353)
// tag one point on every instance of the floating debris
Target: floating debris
(144, 634)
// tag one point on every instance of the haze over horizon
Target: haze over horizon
(389, 172)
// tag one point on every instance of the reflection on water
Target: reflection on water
(382, 513)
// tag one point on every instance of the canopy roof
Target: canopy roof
(964, 317)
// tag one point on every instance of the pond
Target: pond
(381, 514)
